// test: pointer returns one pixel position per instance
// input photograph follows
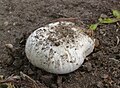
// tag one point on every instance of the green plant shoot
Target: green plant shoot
(116, 13)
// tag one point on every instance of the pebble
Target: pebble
(97, 42)
(102, 32)
(9, 46)
(14, 23)
(6, 23)
(103, 16)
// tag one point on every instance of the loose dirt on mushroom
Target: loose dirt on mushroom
(19, 18)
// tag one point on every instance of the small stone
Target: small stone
(6, 23)
(103, 16)
(1, 77)
(100, 85)
(102, 32)
(9, 46)
(8, 31)
(10, 12)
(14, 24)
(97, 43)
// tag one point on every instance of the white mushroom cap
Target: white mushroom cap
(59, 47)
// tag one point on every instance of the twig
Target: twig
(114, 59)
(27, 78)
(118, 40)
(12, 79)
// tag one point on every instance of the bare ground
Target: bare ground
(18, 18)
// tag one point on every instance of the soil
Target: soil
(19, 18)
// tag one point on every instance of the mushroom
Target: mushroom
(59, 47)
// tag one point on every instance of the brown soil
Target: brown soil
(18, 18)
